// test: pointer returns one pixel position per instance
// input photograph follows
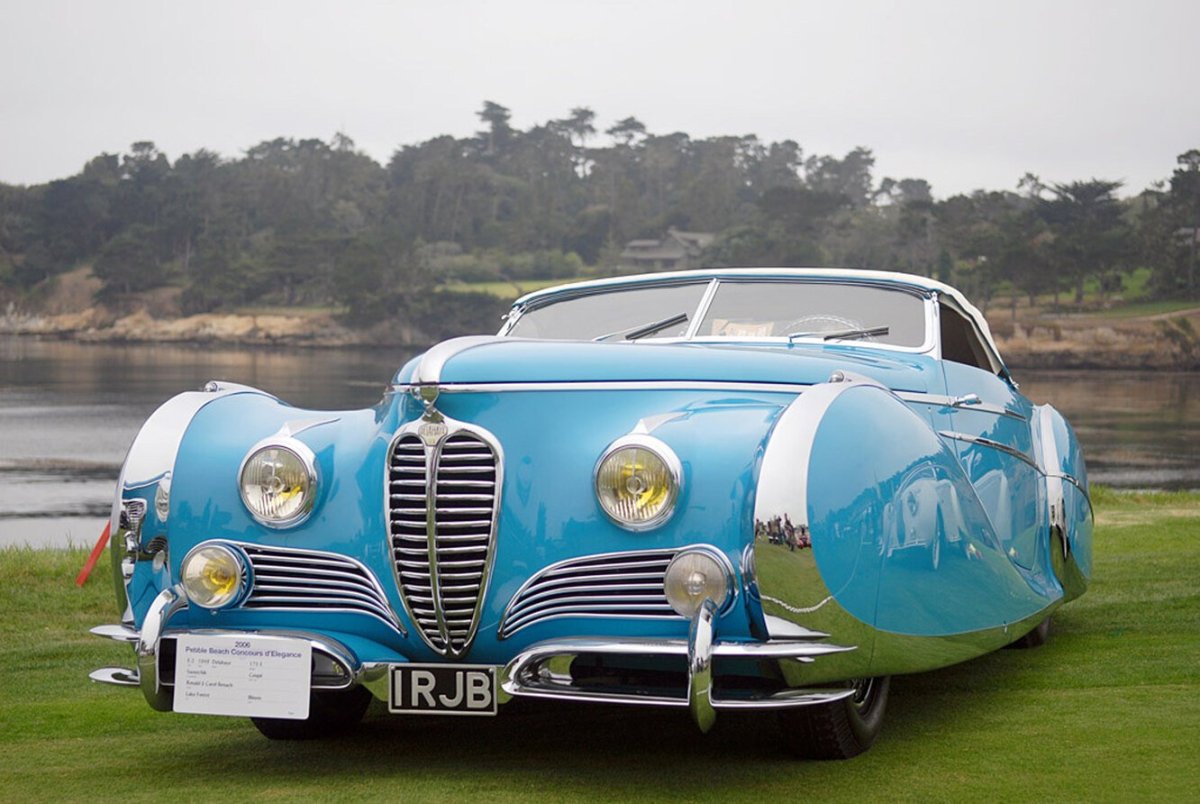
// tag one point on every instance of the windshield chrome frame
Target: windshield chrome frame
(929, 300)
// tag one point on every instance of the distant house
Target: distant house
(676, 251)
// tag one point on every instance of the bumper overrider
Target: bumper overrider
(540, 671)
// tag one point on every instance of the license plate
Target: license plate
(242, 675)
(442, 689)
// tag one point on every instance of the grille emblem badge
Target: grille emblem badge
(432, 432)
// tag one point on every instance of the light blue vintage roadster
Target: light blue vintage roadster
(727, 489)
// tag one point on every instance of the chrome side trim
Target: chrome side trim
(613, 385)
(941, 400)
(168, 602)
(996, 445)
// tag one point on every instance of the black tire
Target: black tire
(838, 730)
(330, 713)
(1035, 638)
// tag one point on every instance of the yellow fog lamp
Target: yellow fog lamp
(213, 576)
(278, 482)
(695, 575)
(637, 482)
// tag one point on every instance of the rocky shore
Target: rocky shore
(1078, 343)
(1082, 342)
(98, 326)
(1034, 338)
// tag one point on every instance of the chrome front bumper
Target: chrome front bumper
(536, 672)
(531, 674)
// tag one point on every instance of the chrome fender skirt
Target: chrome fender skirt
(867, 528)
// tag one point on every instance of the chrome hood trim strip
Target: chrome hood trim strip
(610, 385)
(429, 370)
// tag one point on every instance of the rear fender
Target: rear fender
(1068, 501)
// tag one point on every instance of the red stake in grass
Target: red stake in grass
(82, 577)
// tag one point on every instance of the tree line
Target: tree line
(309, 222)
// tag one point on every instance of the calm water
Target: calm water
(68, 412)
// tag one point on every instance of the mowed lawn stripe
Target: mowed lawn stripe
(1108, 710)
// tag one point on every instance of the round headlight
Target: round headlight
(637, 482)
(212, 576)
(279, 483)
(694, 576)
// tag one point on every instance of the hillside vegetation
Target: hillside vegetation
(314, 224)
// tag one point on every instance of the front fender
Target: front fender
(138, 532)
(867, 528)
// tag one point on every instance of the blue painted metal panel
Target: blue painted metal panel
(884, 492)
(514, 361)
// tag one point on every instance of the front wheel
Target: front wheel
(330, 713)
(1034, 639)
(838, 730)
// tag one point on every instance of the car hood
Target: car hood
(511, 360)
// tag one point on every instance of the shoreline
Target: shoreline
(1063, 345)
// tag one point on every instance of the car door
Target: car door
(991, 431)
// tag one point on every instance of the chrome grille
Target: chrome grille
(310, 580)
(442, 528)
(608, 585)
(132, 513)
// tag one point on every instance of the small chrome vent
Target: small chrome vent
(311, 580)
(442, 511)
(608, 585)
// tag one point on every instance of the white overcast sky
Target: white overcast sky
(962, 93)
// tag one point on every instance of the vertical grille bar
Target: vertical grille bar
(443, 501)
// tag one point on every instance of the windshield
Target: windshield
(821, 310)
(614, 315)
(740, 309)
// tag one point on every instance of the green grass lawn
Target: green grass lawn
(1139, 309)
(1108, 710)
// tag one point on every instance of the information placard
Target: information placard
(245, 675)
